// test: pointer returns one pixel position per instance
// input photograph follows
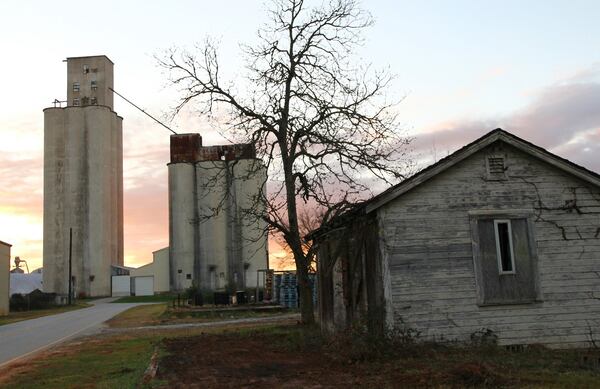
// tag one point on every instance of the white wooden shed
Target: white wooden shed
(501, 235)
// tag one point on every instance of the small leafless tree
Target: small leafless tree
(320, 123)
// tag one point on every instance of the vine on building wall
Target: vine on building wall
(544, 213)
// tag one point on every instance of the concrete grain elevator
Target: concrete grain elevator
(83, 182)
(215, 243)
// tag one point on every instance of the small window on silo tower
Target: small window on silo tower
(75, 87)
(94, 101)
(94, 85)
(86, 69)
(76, 102)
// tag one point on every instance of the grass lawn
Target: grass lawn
(95, 363)
(109, 361)
(293, 356)
(207, 315)
(14, 317)
(157, 314)
(143, 315)
(157, 298)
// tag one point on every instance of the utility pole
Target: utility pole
(70, 269)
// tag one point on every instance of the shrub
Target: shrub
(34, 300)
(484, 337)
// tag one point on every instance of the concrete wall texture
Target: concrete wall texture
(83, 184)
(215, 243)
(4, 277)
(88, 80)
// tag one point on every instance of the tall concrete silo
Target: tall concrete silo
(83, 182)
(214, 242)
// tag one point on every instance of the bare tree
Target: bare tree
(320, 123)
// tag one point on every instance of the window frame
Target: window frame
(502, 214)
(511, 250)
(76, 86)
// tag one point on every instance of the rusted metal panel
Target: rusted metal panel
(188, 148)
(185, 147)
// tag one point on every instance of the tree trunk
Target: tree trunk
(304, 293)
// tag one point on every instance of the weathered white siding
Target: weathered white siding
(427, 245)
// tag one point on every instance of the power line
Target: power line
(147, 114)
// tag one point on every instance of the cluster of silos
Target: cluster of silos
(83, 183)
(216, 240)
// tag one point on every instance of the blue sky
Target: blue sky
(465, 67)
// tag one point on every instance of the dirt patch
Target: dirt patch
(225, 361)
(476, 375)
(263, 360)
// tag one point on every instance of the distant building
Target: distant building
(83, 182)
(4, 277)
(25, 283)
(158, 269)
(214, 242)
(500, 237)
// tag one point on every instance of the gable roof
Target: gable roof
(472, 148)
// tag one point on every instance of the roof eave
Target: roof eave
(421, 178)
(460, 155)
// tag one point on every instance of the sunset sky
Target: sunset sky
(464, 67)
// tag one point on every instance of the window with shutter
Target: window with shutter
(505, 259)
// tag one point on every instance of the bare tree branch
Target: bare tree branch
(320, 122)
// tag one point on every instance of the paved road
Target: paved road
(27, 337)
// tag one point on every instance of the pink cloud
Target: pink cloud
(558, 117)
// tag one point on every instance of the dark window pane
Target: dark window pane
(504, 243)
